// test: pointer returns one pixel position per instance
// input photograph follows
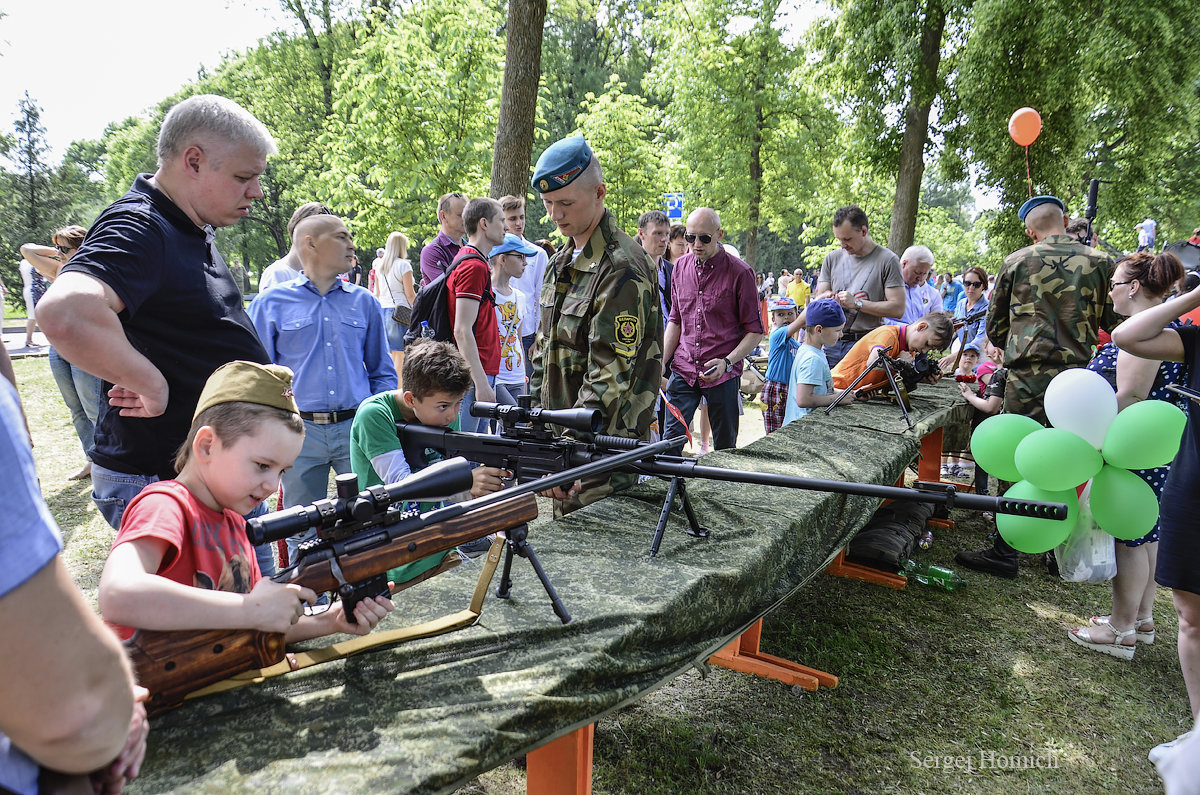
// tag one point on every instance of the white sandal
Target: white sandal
(1145, 636)
(1117, 648)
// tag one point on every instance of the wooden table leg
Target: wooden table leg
(743, 655)
(562, 766)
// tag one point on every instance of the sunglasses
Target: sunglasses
(972, 284)
(705, 239)
(63, 249)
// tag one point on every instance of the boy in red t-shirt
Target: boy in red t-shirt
(181, 559)
(473, 306)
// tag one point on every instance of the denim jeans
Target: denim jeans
(837, 351)
(724, 410)
(113, 491)
(81, 392)
(467, 423)
(325, 447)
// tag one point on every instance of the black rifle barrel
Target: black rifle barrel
(675, 466)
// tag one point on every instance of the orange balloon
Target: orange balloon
(1024, 126)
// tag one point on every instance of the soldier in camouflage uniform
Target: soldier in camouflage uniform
(599, 345)
(1050, 301)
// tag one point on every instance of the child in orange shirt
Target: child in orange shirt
(930, 333)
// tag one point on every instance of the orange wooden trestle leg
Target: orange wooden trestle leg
(562, 766)
(743, 655)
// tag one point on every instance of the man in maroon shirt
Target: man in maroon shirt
(714, 323)
(473, 306)
(437, 255)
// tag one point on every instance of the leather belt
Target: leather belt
(328, 417)
(855, 336)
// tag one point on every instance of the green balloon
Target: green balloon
(1055, 459)
(994, 443)
(1145, 435)
(1028, 534)
(1123, 504)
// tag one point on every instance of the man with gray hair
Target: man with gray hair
(147, 303)
(920, 297)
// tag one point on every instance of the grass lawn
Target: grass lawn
(972, 691)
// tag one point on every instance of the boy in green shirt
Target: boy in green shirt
(436, 378)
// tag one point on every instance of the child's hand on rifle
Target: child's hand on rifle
(486, 480)
(369, 613)
(273, 607)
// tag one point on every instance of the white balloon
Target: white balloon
(1082, 402)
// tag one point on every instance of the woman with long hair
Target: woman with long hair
(1139, 282)
(81, 390)
(394, 287)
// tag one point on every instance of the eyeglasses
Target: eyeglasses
(63, 249)
(972, 284)
(705, 239)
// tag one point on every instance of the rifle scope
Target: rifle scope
(587, 420)
(434, 482)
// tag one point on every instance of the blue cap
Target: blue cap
(779, 304)
(824, 312)
(561, 163)
(1038, 201)
(513, 243)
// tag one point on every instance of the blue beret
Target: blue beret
(824, 312)
(561, 163)
(1038, 201)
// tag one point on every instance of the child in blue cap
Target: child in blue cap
(782, 347)
(811, 382)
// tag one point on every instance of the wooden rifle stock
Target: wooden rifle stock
(172, 664)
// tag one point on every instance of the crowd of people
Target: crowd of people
(187, 441)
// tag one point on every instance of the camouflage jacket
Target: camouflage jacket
(1048, 305)
(599, 345)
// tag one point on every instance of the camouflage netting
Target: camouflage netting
(431, 714)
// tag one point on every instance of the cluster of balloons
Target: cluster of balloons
(1088, 441)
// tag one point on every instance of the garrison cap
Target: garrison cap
(561, 163)
(1038, 201)
(248, 382)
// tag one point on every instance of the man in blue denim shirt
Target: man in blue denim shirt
(331, 335)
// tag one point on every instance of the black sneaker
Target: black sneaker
(473, 549)
(988, 562)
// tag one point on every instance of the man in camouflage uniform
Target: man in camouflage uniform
(599, 345)
(1050, 301)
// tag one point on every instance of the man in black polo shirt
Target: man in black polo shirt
(147, 303)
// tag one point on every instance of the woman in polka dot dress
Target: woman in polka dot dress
(1139, 282)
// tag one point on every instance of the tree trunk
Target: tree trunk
(518, 98)
(916, 131)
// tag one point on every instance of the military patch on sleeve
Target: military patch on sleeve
(628, 332)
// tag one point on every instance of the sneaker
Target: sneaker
(1160, 752)
(473, 549)
(988, 562)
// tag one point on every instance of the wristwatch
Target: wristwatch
(728, 364)
(858, 302)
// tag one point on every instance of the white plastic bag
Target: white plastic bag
(1088, 554)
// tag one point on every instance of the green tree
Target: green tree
(623, 131)
(751, 134)
(415, 117)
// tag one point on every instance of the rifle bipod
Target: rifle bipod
(884, 362)
(678, 486)
(516, 543)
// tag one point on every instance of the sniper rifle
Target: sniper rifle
(530, 450)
